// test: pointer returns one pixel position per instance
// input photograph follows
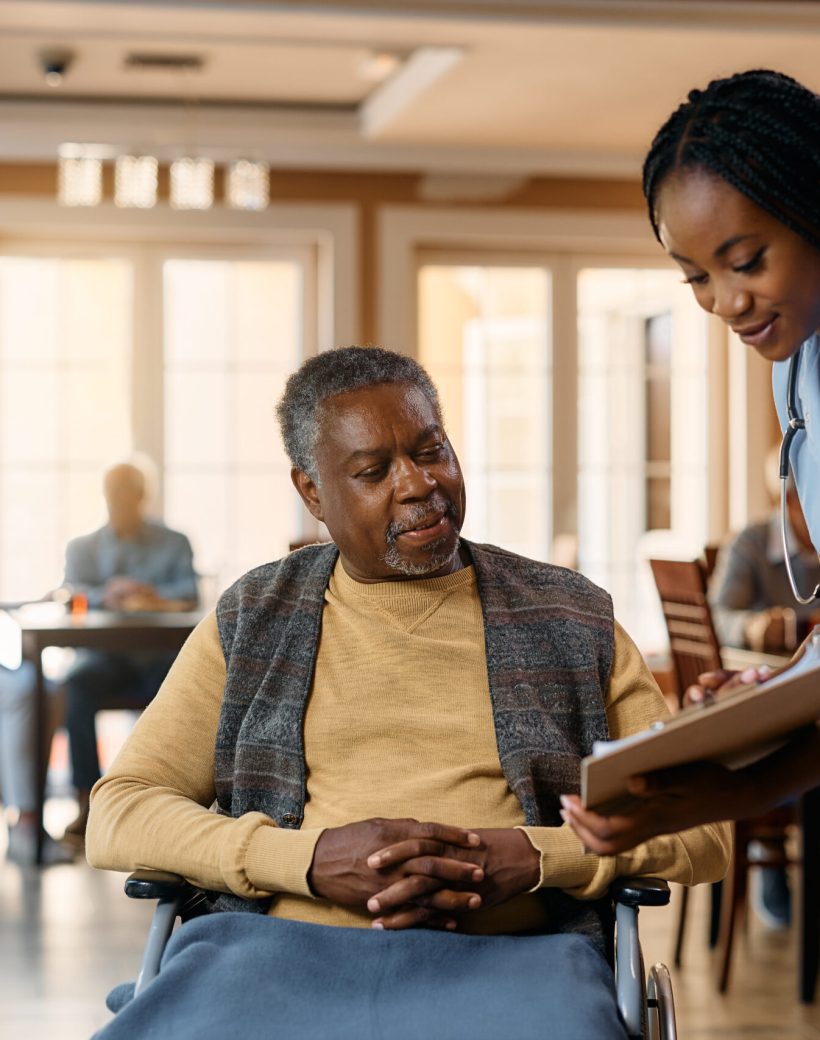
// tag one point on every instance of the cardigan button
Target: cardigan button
(290, 819)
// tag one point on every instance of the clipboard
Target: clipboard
(736, 729)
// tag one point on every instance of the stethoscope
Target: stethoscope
(796, 422)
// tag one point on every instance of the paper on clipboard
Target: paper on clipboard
(735, 730)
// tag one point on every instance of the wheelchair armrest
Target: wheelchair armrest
(640, 891)
(154, 884)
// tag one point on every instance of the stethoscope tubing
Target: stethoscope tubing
(796, 422)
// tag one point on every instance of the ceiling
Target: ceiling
(467, 86)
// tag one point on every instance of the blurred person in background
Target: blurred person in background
(132, 563)
(18, 788)
(752, 602)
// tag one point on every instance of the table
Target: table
(98, 630)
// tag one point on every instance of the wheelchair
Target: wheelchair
(645, 1001)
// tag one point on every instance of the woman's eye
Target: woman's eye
(695, 279)
(750, 265)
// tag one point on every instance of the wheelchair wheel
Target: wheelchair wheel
(660, 1005)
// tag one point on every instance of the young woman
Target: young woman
(732, 182)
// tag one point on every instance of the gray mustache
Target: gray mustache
(416, 515)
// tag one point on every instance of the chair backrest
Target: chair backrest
(710, 555)
(693, 642)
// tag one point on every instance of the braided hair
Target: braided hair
(758, 131)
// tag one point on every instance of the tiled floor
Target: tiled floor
(68, 934)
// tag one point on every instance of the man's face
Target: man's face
(743, 265)
(391, 491)
(124, 496)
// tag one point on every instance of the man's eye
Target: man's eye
(373, 473)
(430, 453)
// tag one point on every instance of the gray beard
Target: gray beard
(438, 557)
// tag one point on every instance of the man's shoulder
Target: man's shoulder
(86, 541)
(300, 569)
(752, 539)
(494, 563)
(158, 531)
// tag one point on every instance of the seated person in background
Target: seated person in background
(342, 694)
(18, 767)
(131, 563)
(752, 602)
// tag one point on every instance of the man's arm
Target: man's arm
(81, 573)
(180, 583)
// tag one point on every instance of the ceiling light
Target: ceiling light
(135, 181)
(54, 64)
(192, 183)
(248, 185)
(79, 178)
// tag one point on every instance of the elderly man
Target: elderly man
(131, 563)
(341, 695)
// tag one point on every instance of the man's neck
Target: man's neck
(127, 532)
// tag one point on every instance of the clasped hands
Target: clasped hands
(410, 874)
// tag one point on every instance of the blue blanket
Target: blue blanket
(241, 975)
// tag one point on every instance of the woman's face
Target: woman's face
(746, 267)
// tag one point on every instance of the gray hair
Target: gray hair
(335, 372)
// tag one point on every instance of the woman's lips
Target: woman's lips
(758, 335)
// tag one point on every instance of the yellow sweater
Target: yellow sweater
(398, 723)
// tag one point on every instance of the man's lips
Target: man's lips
(430, 525)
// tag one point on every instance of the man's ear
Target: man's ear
(308, 492)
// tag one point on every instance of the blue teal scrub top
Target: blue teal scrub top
(805, 452)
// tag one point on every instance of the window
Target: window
(484, 336)
(179, 355)
(643, 441)
(234, 331)
(65, 406)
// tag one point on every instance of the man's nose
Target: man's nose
(413, 481)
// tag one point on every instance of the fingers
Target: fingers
(415, 917)
(427, 854)
(603, 835)
(422, 891)
(443, 832)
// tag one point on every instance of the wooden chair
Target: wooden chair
(693, 641)
(695, 649)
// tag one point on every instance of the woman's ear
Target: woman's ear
(308, 492)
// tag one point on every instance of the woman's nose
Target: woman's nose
(731, 302)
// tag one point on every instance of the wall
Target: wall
(370, 191)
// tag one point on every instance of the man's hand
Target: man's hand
(437, 856)
(118, 590)
(773, 629)
(508, 862)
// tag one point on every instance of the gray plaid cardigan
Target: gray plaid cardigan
(549, 639)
